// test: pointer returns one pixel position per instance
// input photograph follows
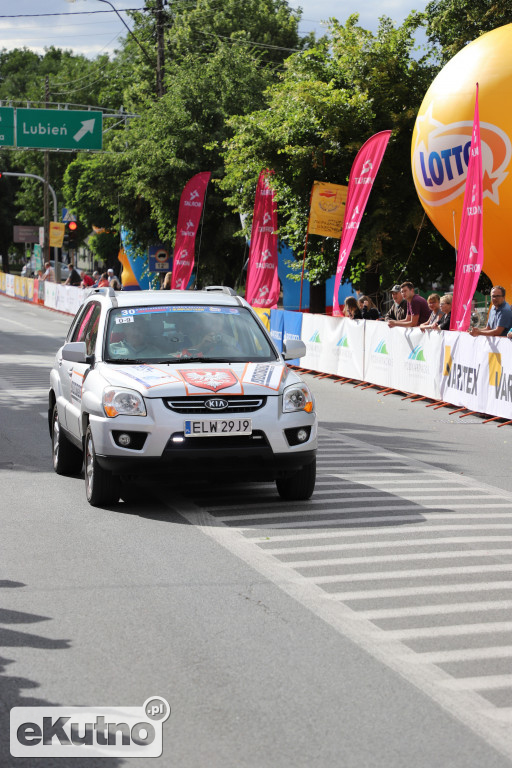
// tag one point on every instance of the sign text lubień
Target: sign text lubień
(58, 129)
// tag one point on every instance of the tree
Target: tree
(217, 70)
(330, 100)
(451, 24)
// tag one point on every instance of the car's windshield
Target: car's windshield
(170, 334)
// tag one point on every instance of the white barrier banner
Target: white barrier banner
(50, 294)
(69, 299)
(334, 345)
(477, 373)
(403, 358)
(9, 285)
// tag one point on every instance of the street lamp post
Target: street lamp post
(54, 198)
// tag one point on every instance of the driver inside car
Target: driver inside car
(138, 341)
(207, 334)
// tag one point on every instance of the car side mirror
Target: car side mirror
(76, 352)
(293, 348)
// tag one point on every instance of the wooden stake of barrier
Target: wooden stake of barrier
(469, 413)
(457, 411)
(504, 424)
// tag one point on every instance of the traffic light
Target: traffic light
(72, 233)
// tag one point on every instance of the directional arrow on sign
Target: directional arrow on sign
(87, 127)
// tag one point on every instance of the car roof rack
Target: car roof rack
(220, 289)
(105, 291)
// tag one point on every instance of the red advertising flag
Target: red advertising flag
(362, 175)
(262, 289)
(470, 255)
(189, 216)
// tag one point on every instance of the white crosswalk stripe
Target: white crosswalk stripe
(417, 560)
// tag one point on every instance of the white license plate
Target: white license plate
(217, 427)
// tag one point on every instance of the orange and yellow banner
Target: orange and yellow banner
(57, 230)
(327, 210)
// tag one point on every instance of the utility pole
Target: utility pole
(160, 49)
(46, 204)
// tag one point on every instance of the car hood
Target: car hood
(195, 379)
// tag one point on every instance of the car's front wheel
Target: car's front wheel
(300, 485)
(67, 458)
(101, 486)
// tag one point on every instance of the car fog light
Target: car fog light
(178, 439)
(124, 440)
(302, 435)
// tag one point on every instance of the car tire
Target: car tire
(101, 486)
(67, 458)
(300, 485)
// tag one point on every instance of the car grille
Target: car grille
(258, 440)
(236, 404)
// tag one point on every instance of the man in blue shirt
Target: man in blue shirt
(500, 316)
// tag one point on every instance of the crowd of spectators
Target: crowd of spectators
(409, 310)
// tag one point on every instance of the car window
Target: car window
(91, 332)
(86, 328)
(172, 333)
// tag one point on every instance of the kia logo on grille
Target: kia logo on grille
(216, 404)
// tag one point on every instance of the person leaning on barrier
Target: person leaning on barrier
(368, 309)
(417, 308)
(442, 322)
(500, 316)
(49, 275)
(399, 309)
(435, 311)
(352, 309)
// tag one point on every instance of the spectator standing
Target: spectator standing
(417, 308)
(49, 274)
(352, 309)
(399, 309)
(115, 284)
(166, 285)
(368, 309)
(74, 277)
(446, 305)
(87, 281)
(110, 274)
(433, 302)
(103, 282)
(500, 316)
(96, 277)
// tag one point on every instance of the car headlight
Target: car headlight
(125, 402)
(298, 398)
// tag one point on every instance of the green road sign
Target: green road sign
(58, 129)
(6, 126)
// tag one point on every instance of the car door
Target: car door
(85, 330)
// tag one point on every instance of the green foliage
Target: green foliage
(451, 24)
(329, 101)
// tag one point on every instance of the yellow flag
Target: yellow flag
(327, 209)
(57, 230)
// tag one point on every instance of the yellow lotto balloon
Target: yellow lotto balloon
(442, 138)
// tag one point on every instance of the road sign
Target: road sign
(67, 215)
(6, 126)
(58, 129)
(159, 259)
(25, 234)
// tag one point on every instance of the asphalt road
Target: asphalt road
(369, 627)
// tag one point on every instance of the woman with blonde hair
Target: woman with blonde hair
(166, 285)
